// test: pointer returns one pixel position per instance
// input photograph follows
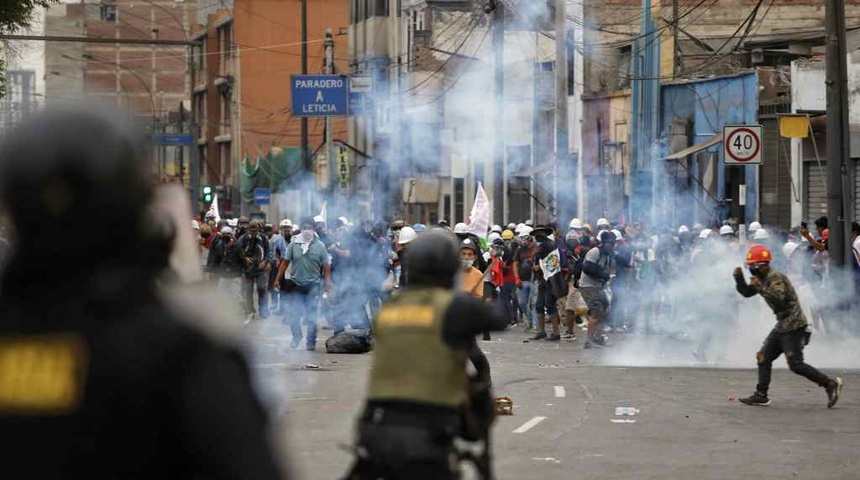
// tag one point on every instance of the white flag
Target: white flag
(214, 208)
(551, 264)
(479, 219)
(323, 212)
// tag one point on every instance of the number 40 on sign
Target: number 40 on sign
(742, 144)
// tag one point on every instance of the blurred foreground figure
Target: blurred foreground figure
(413, 414)
(790, 334)
(98, 378)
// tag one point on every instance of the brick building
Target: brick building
(241, 91)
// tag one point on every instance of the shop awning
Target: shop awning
(716, 139)
(535, 170)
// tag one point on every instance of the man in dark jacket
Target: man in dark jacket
(100, 379)
(256, 260)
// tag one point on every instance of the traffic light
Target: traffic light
(207, 193)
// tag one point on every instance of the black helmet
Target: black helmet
(70, 168)
(433, 260)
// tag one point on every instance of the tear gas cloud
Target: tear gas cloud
(693, 316)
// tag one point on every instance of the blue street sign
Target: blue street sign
(319, 95)
(262, 196)
(360, 95)
(176, 139)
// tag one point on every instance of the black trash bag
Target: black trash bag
(348, 341)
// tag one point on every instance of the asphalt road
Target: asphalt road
(688, 424)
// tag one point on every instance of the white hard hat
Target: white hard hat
(226, 231)
(520, 227)
(512, 226)
(602, 222)
(705, 233)
(726, 230)
(496, 228)
(319, 219)
(493, 237)
(525, 231)
(789, 248)
(344, 220)
(683, 229)
(233, 222)
(529, 223)
(407, 234)
(461, 228)
(618, 235)
(755, 226)
(195, 225)
(761, 234)
(286, 222)
(575, 224)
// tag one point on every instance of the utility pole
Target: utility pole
(500, 170)
(838, 200)
(306, 156)
(563, 207)
(329, 132)
(676, 58)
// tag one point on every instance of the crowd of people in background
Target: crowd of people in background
(603, 278)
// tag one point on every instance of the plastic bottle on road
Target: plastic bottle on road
(626, 411)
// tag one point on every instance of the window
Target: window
(380, 8)
(200, 108)
(225, 159)
(571, 52)
(226, 113)
(107, 13)
(198, 54)
(459, 200)
(225, 41)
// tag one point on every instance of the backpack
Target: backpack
(575, 258)
(348, 341)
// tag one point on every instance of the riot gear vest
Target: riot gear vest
(412, 362)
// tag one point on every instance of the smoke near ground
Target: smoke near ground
(695, 318)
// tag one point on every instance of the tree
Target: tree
(15, 15)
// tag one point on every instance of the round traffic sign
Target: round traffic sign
(743, 144)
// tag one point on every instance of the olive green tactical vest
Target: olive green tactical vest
(411, 361)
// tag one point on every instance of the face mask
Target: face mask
(307, 235)
(467, 264)
(757, 271)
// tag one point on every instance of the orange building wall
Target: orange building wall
(267, 34)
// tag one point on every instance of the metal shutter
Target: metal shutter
(815, 190)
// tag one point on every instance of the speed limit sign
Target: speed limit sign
(742, 144)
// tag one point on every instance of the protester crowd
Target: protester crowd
(606, 277)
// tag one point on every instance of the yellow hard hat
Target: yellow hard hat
(507, 235)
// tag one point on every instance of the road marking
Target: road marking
(559, 391)
(529, 425)
(622, 421)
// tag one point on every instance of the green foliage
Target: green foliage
(15, 15)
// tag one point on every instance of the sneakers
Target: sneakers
(569, 337)
(758, 399)
(553, 338)
(833, 391)
(295, 343)
(539, 336)
(589, 344)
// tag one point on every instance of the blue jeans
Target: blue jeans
(527, 295)
(302, 305)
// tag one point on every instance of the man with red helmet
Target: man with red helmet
(790, 334)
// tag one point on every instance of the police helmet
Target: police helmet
(433, 260)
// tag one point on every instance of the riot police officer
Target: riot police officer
(99, 378)
(419, 388)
